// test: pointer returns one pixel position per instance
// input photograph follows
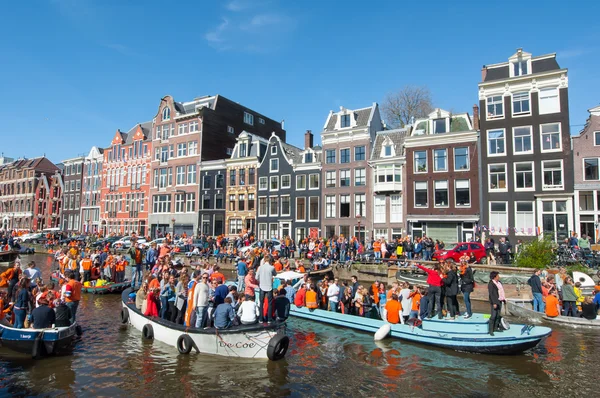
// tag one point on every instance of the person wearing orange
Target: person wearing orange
(377, 250)
(217, 275)
(552, 305)
(393, 310)
(311, 298)
(374, 293)
(86, 266)
(120, 270)
(72, 294)
(278, 266)
(415, 296)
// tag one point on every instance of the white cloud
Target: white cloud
(217, 35)
(574, 52)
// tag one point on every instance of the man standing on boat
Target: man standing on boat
(137, 259)
(201, 295)
(72, 294)
(536, 290)
(265, 275)
(434, 280)
(242, 271)
(496, 296)
(333, 292)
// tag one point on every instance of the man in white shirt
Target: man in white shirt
(333, 293)
(201, 294)
(248, 311)
(264, 276)
(33, 273)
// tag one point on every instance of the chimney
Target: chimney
(308, 139)
(483, 73)
(475, 117)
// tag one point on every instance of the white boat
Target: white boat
(523, 308)
(575, 322)
(258, 341)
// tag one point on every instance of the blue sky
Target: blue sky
(76, 70)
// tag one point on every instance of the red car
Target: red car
(454, 251)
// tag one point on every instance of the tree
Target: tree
(409, 102)
(536, 254)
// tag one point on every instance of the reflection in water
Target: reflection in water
(113, 360)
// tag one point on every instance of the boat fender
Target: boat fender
(382, 332)
(278, 346)
(38, 347)
(78, 330)
(185, 344)
(504, 323)
(124, 315)
(148, 332)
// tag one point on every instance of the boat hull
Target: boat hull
(53, 341)
(112, 288)
(523, 309)
(460, 335)
(245, 341)
(578, 323)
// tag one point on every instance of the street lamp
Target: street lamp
(173, 222)
(358, 216)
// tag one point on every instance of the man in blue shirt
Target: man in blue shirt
(242, 271)
(597, 299)
(224, 314)
(220, 293)
(151, 256)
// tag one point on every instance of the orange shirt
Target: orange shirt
(217, 276)
(278, 266)
(393, 308)
(311, 299)
(154, 284)
(416, 302)
(551, 306)
(301, 269)
(375, 289)
(86, 264)
(377, 246)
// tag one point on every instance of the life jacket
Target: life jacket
(311, 300)
(75, 291)
(121, 266)
(86, 264)
(138, 256)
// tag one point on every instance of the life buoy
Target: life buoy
(124, 315)
(148, 332)
(278, 346)
(38, 347)
(185, 344)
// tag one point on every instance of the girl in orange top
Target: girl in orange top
(311, 298)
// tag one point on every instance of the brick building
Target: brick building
(91, 190)
(48, 207)
(73, 182)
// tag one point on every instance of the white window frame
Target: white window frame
(349, 155)
(559, 137)
(308, 208)
(562, 176)
(512, 102)
(487, 137)
(348, 178)
(304, 216)
(318, 181)
(363, 176)
(273, 199)
(259, 211)
(415, 170)
(456, 204)
(487, 103)
(517, 189)
(447, 194)
(468, 159)
(542, 97)
(300, 178)
(230, 130)
(596, 140)
(271, 168)
(274, 150)
(281, 213)
(328, 175)
(248, 118)
(271, 179)
(505, 216)
(331, 206)
(290, 181)
(435, 169)
(166, 113)
(530, 151)
(415, 194)
(533, 214)
(395, 208)
(490, 189)
(261, 186)
(583, 168)
(379, 204)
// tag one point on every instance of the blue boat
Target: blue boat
(39, 342)
(467, 335)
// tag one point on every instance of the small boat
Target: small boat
(413, 276)
(467, 335)
(574, 322)
(320, 271)
(109, 287)
(257, 341)
(8, 257)
(39, 342)
(523, 309)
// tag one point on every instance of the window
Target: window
(345, 206)
(161, 204)
(330, 156)
(248, 118)
(262, 231)
(395, 208)
(273, 229)
(193, 126)
(308, 157)
(421, 194)
(441, 193)
(206, 181)
(301, 182)
(420, 162)
(263, 183)
(230, 130)
(242, 177)
(235, 226)
(182, 129)
(524, 218)
(330, 179)
(549, 100)
(179, 203)
(345, 155)
(439, 126)
(359, 153)
(241, 202)
(232, 177)
(261, 120)
(495, 107)
(300, 209)
(387, 151)
(205, 202)
(496, 142)
(498, 216)
(360, 178)
(182, 149)
(286, 181)
(273, 205)
(330, 211)
(497, 173)
(360, 205)
(313, 181)
(552, 172)
(250, 202)
(243, 149)
(551, 137)
(597, 138)
(166, 114)
(274, 164)
(262, 206)
(522, 140)
(180, 175)
(231, 202)
(440, 160)
(274, 183)
(461, 159)
(462, 193)
(220, 181)
(590, 169)
(251, 176)
(520, 103)
(345, 121)
(524, 176)
(344, 178)
(379, 210)
(519, 68)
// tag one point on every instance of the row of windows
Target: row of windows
(281, 206)
(241, 177)
(360, 178)
(345, 206)
(164, 153)
(183, 203)
(218, 178)
(137, 150)
(524, 216)
(184, 175)
(240, 201)
(273, 182)
(124, 176)
(72, 185)
(462, 194)
(550, 140)
(524, 175)
(167, 131)
(359, 154)
(521, 103)
(73, 169)
(380, 209)
(131, 202)
(440, 160)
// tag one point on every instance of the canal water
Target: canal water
(113, 360)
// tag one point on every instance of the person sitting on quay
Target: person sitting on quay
(224, 315)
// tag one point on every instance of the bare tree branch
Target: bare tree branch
(401, 106)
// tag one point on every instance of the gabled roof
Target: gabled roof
(138, 130)
(362, 117)
(539, 64)
(396, 137)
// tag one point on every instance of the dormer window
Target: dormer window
(345, 121)
(166, 114)
(387, 150)
(308, 157)
(248, 118)
(274, 150)
(243, 150)
(520, 68)
(439, 126)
